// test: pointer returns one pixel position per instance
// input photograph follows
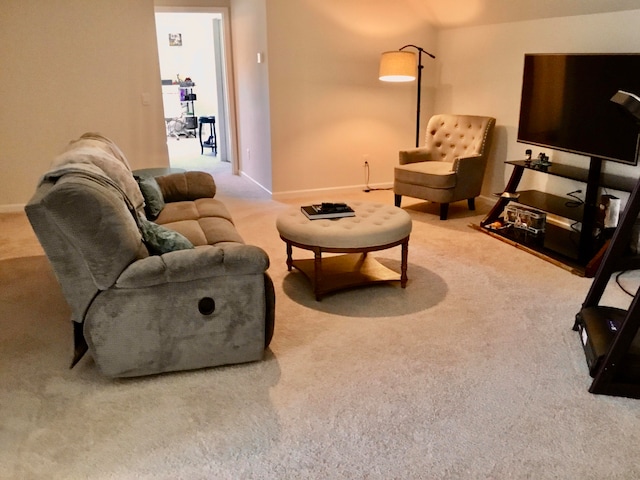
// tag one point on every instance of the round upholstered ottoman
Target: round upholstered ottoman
(375, 226)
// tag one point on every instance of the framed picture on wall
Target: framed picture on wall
(175, 39)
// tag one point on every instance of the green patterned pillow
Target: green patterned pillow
(159, 239)
(153, 199)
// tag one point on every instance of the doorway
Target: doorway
(192, 50)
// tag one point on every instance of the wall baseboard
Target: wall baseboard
(328, 191)
(12, 208)
(242, 174)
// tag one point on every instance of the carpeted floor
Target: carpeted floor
(471, 372)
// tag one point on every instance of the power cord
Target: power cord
(367, 188)
(366, 177)
(620, 285)
(577, 202)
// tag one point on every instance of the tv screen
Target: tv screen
(566, 104)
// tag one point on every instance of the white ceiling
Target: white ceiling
(458, 13)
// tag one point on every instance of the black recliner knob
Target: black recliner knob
(206, 305)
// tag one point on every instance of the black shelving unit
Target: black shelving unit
(609, 335)
(187, 100)
(570, 248)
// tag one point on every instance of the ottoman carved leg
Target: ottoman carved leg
(289, 257)
(317, 268)
(403, 267)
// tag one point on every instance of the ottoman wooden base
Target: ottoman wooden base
(375, 226)
(339, 272)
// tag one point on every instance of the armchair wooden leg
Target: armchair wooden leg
(397, 199)
(472, 203)
(444, 211)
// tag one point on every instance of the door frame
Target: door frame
(228, 77)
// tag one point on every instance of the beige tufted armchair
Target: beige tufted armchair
(450, 167)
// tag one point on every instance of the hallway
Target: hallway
(185, 153)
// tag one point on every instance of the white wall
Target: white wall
(307, 115)
(249, 34)
(69, 67)
(194, 59)
(482, 74)
(328, 108)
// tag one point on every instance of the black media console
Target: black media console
(572, 249)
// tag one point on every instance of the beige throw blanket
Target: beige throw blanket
(102, 153)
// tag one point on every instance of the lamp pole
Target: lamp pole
(420, 67)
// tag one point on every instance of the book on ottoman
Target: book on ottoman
(327, 210)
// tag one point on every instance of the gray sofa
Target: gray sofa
(190, 294)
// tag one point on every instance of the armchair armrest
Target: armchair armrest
(470, 173)
(186, 186)
(414, 155)
(467, 165)
(194, 264)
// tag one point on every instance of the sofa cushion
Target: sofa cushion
(191, 229)
(203, 207)
(177, 187)
(206, 231)
(161, 240)
(218, 230)
(176, 211)
(210, 207)
(205, 221)
(429, 174)
(153, 199)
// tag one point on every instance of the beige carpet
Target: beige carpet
(471, 372)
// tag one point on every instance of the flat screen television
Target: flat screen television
(566, 105)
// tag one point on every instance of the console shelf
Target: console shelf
(605, 180)
(559, 245)
(551, 203)
(570, 248)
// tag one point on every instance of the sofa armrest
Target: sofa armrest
(186, 186)
(194, 264)
(414, 155)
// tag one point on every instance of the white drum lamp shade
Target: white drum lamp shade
(398, 66)
(401, 66)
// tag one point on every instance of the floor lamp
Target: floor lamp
(400, 66)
